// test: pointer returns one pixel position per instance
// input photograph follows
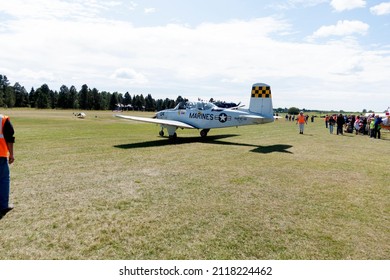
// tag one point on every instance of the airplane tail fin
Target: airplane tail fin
(261, 100)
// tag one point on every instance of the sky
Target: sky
(315, 54)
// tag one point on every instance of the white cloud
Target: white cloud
(381, 9)
(132, 5)
(290, 4)
(342, 28)
(52, 9)
(149, 11)
(342, 5)
(130, 75)
(37, 75)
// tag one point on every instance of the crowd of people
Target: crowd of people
(359, 124)
(365, 125)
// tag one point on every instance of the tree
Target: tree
(32, 96)
(83, 97)
(21, 96)
(73, 102)
(97, 99)
(4, 83)
(159, 104)
(293, 111)
(63, 97)
(9, 97)
(105, 100)
(43, 96)
(53, 99)
(150, 103)
(168, 104)
(113, 101)
(139, 102)
(127, 99)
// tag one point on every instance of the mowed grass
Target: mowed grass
(106, 188)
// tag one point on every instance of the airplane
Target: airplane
(205, 115)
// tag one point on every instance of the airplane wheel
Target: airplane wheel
(203, 132)
(173, 136)
(161, 133)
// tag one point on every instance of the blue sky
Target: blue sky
(315, 54)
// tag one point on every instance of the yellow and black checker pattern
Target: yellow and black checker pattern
(261, 92)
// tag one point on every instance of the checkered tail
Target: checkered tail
(261, 100)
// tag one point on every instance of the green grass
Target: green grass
(106, 188)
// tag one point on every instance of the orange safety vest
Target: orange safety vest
(301, 119)
(3, 143)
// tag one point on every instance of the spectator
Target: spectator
(356, 125)
(371, 122)
(7, 140)
(302, 120)
(326, 121)
(377, 127)
(331, 122)
(340, 123)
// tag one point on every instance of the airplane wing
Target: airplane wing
(157, 121)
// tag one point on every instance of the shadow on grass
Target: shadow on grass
(216, 140)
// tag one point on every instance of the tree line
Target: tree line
(83, 99)
(91, 99)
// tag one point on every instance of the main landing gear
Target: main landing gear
(172, 137)
(203, 132)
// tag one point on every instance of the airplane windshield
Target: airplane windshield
(194, 105)
(201, 105)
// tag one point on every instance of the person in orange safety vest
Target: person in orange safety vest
(7, 140)
(301, 120)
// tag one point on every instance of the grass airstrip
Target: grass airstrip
(106, 188)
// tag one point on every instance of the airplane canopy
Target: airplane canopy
(200, 105)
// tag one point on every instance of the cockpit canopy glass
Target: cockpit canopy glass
(199, 105)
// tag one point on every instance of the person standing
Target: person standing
(327, 120)
(377, 127)
(371, 123)
(331, 122)
(7, 141)
(301, 120)
(357, 124)
(340, 123)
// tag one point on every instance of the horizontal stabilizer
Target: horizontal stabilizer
(255, 117)
(156, 121)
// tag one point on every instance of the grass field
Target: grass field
(106, 188)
